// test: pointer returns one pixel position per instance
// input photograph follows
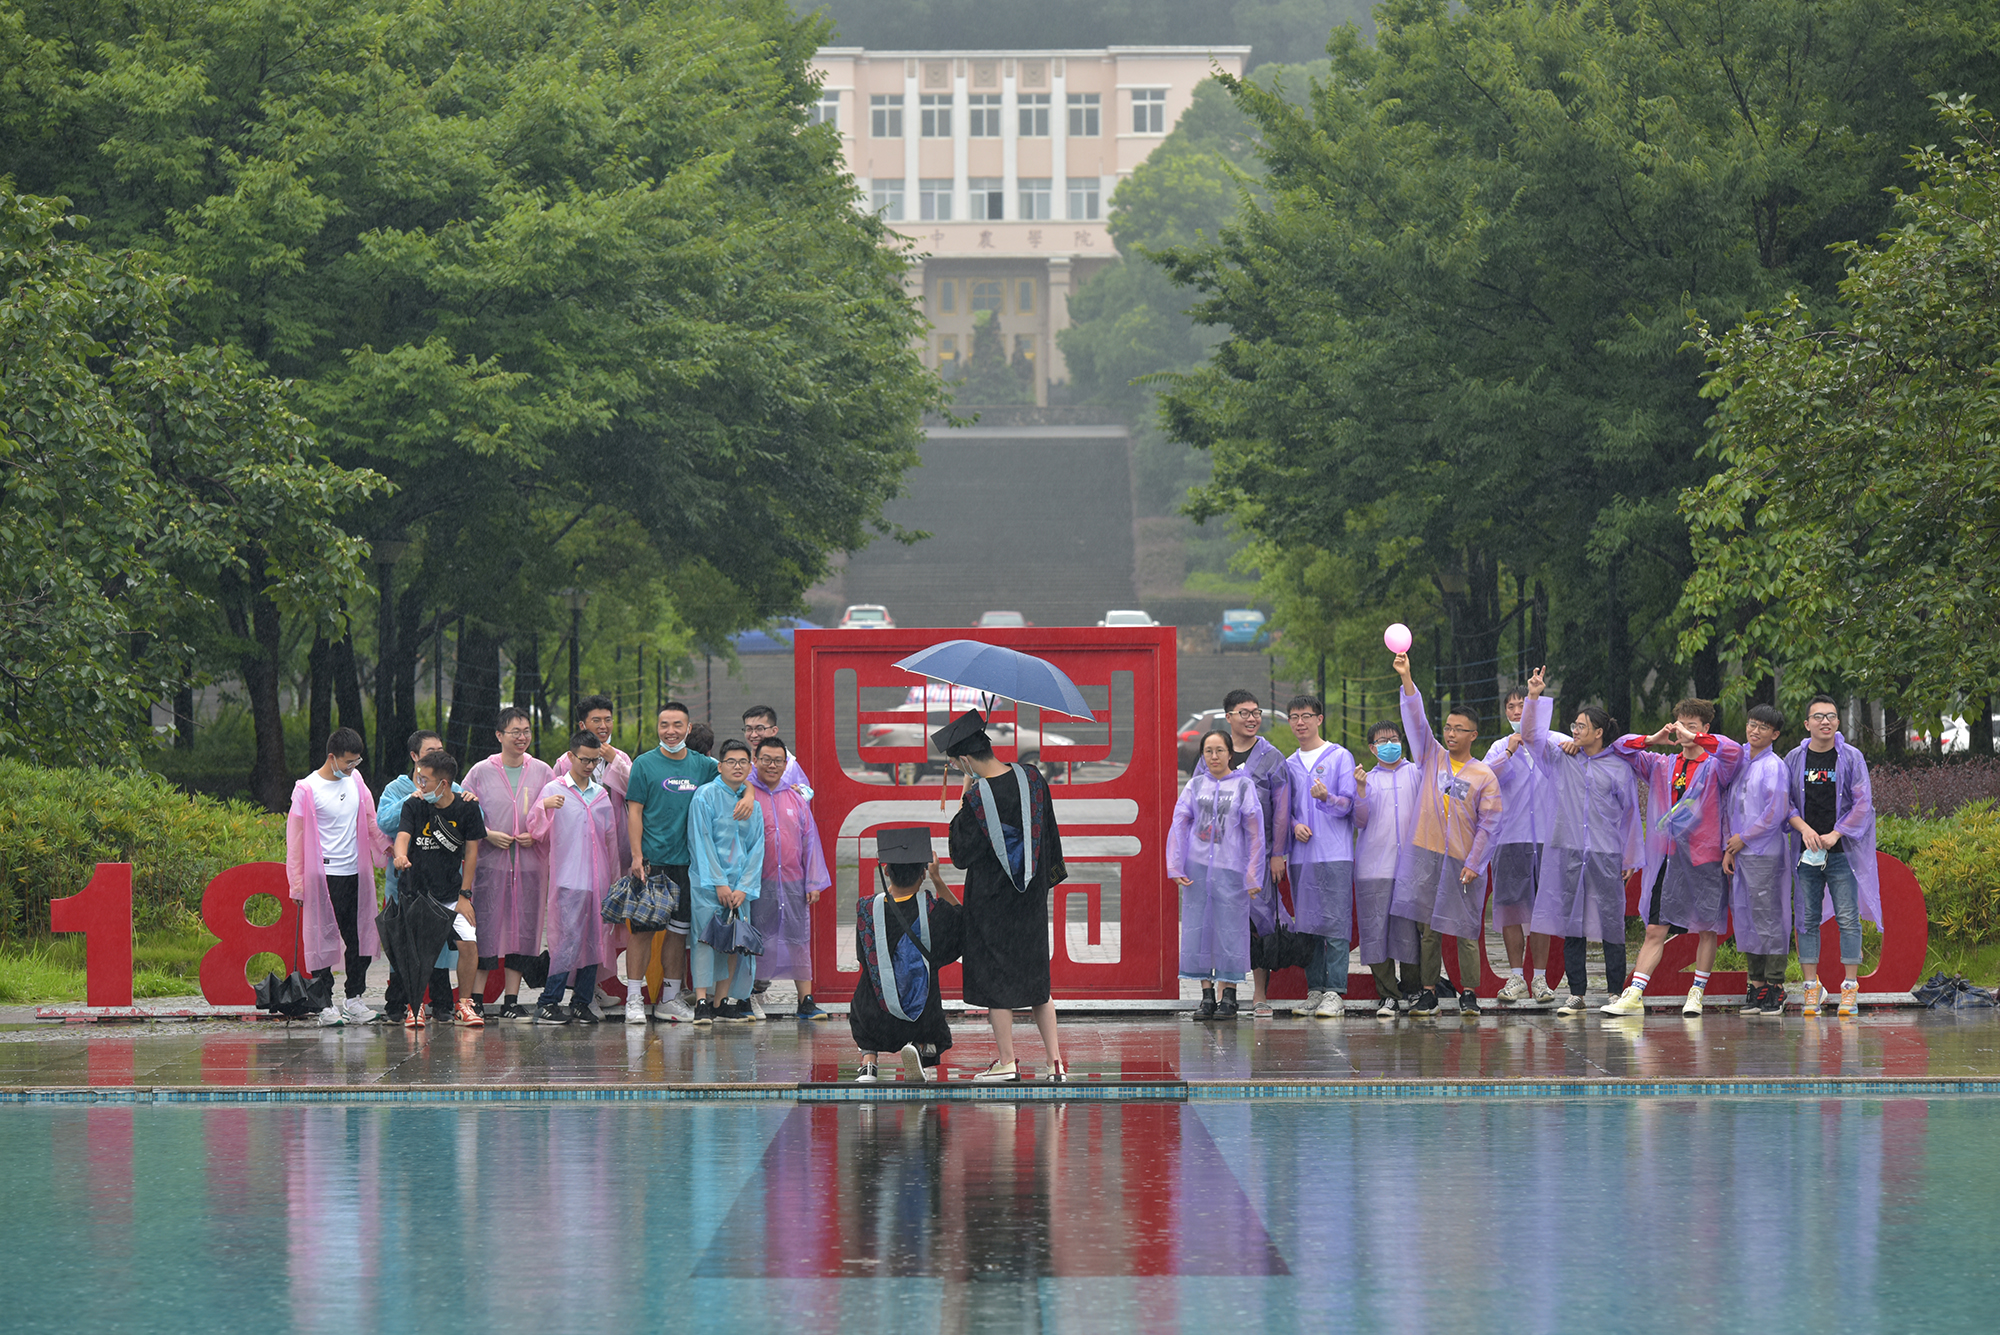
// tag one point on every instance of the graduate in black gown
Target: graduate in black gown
(903, 934)
(1006, 902)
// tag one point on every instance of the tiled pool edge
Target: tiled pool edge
(1193, 1090)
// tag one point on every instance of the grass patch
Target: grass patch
(165, 963)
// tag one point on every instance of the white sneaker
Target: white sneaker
(635, 1005)
(1632, 1001)
(330, 1017)
(676, 1011)
(1693, 1006)
(756, 1007)
(913, 1064)
(1515, 990)
(1308, 1005)
(1330, 1006)
(355, 1011)
(1544, 994)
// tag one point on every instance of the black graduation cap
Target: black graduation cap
(963, 735)
(904, 843)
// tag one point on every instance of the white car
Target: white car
(1127, 617)
(867, 616)
(947, 702)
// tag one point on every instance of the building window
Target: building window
(1034, 199)
(934, 199)
(1083, 199)
(1034, 109)
(934, 110)
(887, 196)
(1083, 109)
(1149, 111)
(983, 115)
(1024, 348)
(989, 198)
(987, 294)
(826, 111)
(947, 296)
(885, 116)
(1024, 296)
(948, 356)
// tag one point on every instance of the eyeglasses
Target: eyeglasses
(517, 732)
(1303, 718)
(1246, 713)
(1823, 718)
(1459, 727)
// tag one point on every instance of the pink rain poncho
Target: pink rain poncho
(1524, 819)
(1693, 895)
(1217, 841)
(794, 866)
(615, 774)
(1458, 817)
(306, 874)
(1855, 820)
(1758, 805)
(1265, 764)
(1593, 835)
(581, 838)
(1322, 867)
(507, 884)
(1385, 816)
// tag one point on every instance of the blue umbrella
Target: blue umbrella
(1007, 673)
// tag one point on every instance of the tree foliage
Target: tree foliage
(1852, 538)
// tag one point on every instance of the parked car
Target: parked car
(942, 701)
(1127, 617)
(1242, 628)
(776, 640)
(1188, 739)
(1002, 619)
(867, 616)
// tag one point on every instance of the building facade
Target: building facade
(999, 165)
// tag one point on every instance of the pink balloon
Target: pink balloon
(1397, 638)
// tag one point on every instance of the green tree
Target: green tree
(990, 378)
(1850, 539)
(147, 489)
(560, 272)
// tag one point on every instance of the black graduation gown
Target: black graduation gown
(1007, 930)
(874, 1028)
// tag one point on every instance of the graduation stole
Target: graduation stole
(887, 986)
(981, 796)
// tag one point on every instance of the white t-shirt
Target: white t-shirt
(339, 825)
(1311, 758)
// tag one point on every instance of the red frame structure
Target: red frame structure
(1136, 806)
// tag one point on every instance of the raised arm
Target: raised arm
(1416, 725)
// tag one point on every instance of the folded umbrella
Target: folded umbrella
(413, 928)
(294, 996)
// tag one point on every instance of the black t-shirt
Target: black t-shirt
(438, 836)
(1822, 792)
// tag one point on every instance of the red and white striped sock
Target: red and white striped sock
(1701, 980)
(1639, 980)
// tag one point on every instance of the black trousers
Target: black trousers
(345, 892)
(1614, 966)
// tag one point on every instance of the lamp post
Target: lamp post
(388, 551)
(576, 598)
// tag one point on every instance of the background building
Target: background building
(1000, 166)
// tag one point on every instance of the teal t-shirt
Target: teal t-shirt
(664, 788)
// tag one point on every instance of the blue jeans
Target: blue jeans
(1809, 885)
(1328, 970)
(586, 984)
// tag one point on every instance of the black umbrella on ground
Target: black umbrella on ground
(294, 996)
(413, 928)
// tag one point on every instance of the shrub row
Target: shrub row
(57, 824)
(1934, 788)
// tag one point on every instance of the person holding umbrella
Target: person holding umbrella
(1004, 838)
(437, 855)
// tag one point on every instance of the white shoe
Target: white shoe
(1632, 1001)
(355, 1011)
(756, 1007)
(331, 1017)
(635, 1005)
(1310, 1006)
(1515, 990)
(913, 1064)
(1573, 1004)
(1330, 1007)
(1693, 1006)
(1544, 994)
(676, 1011)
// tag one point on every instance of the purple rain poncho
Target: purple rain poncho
(508, 882)
(581, 838)
(1759, 804)
(1322, 896)
(1594, 835)
(1694, 895)
(1524, 819)
(1458, 816)
(1217, 841)
(794, 866)
(1854, 804)
(1385, 815)
(1265, 765)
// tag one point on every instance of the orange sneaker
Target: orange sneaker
(418, 1014)
(467, 1016)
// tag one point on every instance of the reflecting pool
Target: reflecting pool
(1605, 1214)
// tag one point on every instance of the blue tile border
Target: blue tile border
(1034, 1092)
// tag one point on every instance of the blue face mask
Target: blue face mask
(1515, 724)
(433, 796)
(1389, 752)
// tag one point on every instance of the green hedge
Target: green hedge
(1957, 862)
(57, 824)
